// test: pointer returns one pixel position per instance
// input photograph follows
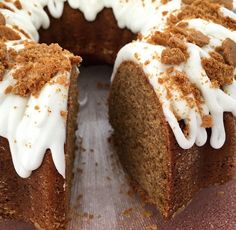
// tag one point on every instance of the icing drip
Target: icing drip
(22, 125)
(29, 123)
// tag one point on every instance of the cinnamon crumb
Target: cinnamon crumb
(207, 9)
(229, 51)
(217, 56)
(207, 121)
(18, 4)
(63, 114)
(159, 38)
(8, 33)
(152, 227)
(8, 89)
(39, 63)
(218, 71)
(127, 212)
(2, 20)
(198, 38)
(36, 107)
(147, 214)
(172, 56)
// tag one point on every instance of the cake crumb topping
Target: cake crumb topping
(197, 37)
(218, 72)
(2, 20)
(172, 56)
(207, 121)
(3, 63)
(8, 33)
(228, 49)
(207, 9)
(36, 65)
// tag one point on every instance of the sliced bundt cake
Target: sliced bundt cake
(173, 104)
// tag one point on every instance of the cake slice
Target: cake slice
(38, 106)
(173, 104)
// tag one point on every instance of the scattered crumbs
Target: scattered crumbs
(207, 121)
(147, 213)
(96, 164)
(78, 201)
(36, 107)
(127, 212)
(91, 150)
(8, 89)
(79, 170)
(131, 192)
(108, 178)
(152, 227)
(83, 149)
(88, 216)
(63, 114)
(221, 193)
(99, 216)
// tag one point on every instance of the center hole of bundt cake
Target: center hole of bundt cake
(96, 42)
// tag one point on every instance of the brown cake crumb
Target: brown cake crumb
(172, 56)
(8, 89)
(36, 107)
(3, 55)
(217, 71)
(8, 33)
(152, 227)
(147, 214)
(197, 38)
(207, 121)
(207, 9)
(217, 56)
(226, 3)
(63, 114)
(2, 20)
(39, 64)
(159, 38)
(18, 5)
(127, 212)
(229, 51)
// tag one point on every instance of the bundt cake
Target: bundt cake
(170, 89)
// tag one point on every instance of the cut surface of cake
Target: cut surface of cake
(172, 103)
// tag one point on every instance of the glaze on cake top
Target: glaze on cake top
(179, 45)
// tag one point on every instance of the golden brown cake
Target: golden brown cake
(172, 102)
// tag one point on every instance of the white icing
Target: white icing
(31, 133)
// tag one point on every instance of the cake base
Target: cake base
(148, 149)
